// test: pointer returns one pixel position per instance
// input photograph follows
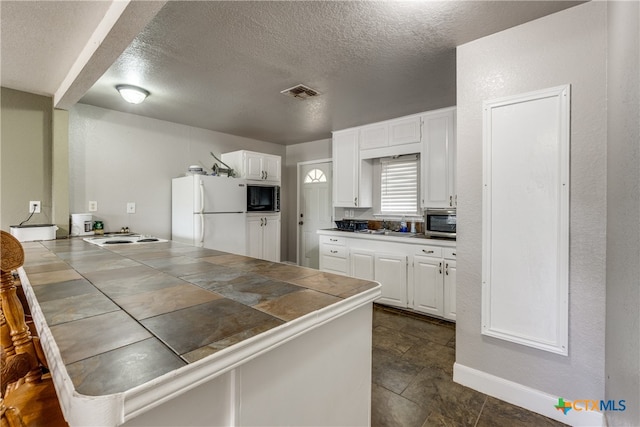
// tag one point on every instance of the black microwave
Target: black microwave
(263, 198)
(440, 223)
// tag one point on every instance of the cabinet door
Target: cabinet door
(272, 166)
(362, 264)
(391, 272)
(271, 239)
(255, 236)
(345, 168)
(404, 131)
(374, 136)
(438, 159)
(449, 289)
(253, 166)
(427, 285)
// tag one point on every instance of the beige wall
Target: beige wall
(566, 47)
(25, 154)
(117, 158)
(623, 212)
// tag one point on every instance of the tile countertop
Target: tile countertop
(120, 317)
(392, 236)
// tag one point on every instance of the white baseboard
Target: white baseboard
(525, 397)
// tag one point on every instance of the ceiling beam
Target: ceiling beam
(124, 20)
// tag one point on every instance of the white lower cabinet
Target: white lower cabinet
(450, 289)
(391, 272)
(333, 255)
(413, 275)
(263, 237)
(362, 264)
(428, 292)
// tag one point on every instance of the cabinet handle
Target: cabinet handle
(261, 222)
(456, 199)
(333, 240)
(440, 268)
(427, 252)
(446, 268)
(265, 221)
(453, 253)
(450, 200)
(333, 252)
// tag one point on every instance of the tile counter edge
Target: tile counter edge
(115, 409)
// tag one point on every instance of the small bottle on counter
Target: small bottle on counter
(403, 226)
(413, 227)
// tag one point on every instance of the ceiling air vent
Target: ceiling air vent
(300, 91)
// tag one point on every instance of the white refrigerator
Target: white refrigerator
(210, 212)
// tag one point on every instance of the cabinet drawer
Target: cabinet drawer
(333, 264)
(434, 251)
(334, 251)
(333, 240)
(449, 253)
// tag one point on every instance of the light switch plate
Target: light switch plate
(131, 207)
(93, 206)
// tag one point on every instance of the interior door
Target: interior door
(314, 211)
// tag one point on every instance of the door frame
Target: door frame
(297, 217)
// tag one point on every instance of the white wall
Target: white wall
(304, 152)
(115, 158)
(623, 214)
(566, 47)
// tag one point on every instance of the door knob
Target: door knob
(301, 222)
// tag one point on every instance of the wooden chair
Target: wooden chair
(28, 395)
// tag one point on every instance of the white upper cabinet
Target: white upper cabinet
(255, 166)
(404, 131)
(352, 179)
(439, 159)
(391, 137)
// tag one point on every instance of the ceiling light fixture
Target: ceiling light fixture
(132, 94)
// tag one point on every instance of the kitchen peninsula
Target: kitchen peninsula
(171, 334)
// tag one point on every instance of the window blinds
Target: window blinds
(399, 185)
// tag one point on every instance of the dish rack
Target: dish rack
(351, 225)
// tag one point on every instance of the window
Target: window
(399, 185)
(315, 175)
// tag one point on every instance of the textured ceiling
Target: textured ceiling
(222, 65)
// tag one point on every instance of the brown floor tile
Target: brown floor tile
(392, 372)
(393, 341)
(417, 325)
(497, 413)
(429, 354)
(434, 390)
(389, 409)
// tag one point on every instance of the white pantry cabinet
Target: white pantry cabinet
(438, 160)
(255, 166)
(263, 237)
(352, 179)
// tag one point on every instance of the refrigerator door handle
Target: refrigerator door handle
(201, 228)
(201, 210)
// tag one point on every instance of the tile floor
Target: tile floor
(413, 360)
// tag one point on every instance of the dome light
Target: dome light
(132, 94)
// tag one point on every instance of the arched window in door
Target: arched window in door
(315, 176)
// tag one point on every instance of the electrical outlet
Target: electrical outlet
(93, 206)
(131, 207)
(34, 207)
